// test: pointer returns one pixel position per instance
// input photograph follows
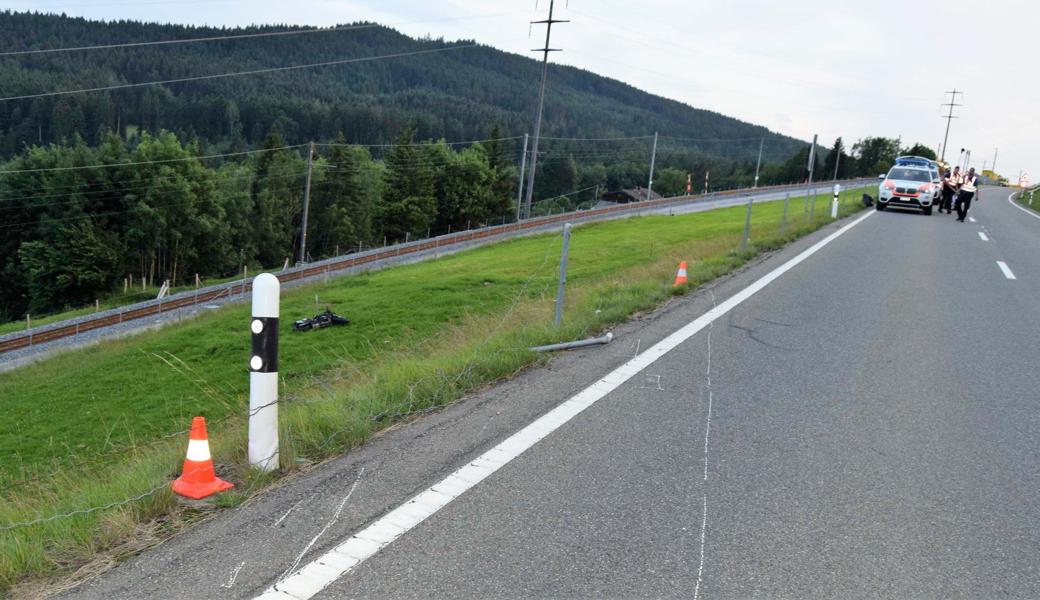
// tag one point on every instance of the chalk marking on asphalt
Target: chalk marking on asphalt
(1011, 200)
(341, 559)
(972, 219)
(1006, 269)
(983, 237)
(234, 575)
(704, 487)
(332, 521)
(291, 508)
(655, 380)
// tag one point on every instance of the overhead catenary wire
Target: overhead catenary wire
(260, 34)
(188, 40)
(327, 63)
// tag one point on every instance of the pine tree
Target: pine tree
(408, 205)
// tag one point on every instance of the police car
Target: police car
(910, 186)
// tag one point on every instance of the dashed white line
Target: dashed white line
(340, 560)
(1007, 270)
(983, 237)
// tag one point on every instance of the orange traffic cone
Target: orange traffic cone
(680, 275)
(197, 479)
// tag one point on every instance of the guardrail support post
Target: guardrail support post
(783, 220)
(263, 374)
(747, 225)
(563, 272)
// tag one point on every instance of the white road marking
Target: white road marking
(340, 560)
(1021, 208)
(972, 219)
(1007, 271)
(983, 237)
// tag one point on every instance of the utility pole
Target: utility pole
(541, 103)
(837, 161)
(949, 118)
(653, 157)
(808, 185)
(758, 165)
(520, 187)
(306, 203)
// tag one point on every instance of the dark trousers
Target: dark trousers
(963, 204)
(946, 200)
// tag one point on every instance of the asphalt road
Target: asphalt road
(863, 426)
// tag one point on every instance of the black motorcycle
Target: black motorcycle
(320, 321)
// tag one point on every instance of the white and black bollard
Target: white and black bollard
(834, 203)
(263, 374)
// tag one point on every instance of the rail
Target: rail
(453, 241)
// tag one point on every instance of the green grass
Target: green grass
(1024, 196)
(87, 428)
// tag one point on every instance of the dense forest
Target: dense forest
(165, 182)
(455, 95)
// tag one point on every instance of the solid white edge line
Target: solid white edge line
(1007, 270)
(327, 568)
(1021, 208)
(982, 236)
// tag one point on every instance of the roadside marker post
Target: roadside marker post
(263, 374)
(563, 272)
(783, 221)
(834, 204)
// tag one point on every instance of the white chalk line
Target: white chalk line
(234, 575)
(341, 559)
(332, 521)
(291, 508)
(982, 236)
(704, 486)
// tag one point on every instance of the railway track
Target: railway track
(137, 312)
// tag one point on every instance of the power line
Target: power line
(189, 40)
(150, 162)
(240, 73)
(240, 36)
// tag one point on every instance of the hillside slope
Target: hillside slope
(457, 95)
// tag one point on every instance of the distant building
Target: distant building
(627, 196)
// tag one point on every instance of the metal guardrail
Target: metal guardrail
(369, 258)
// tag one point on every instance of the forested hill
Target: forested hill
(457, 95)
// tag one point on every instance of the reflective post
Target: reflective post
(263, 374)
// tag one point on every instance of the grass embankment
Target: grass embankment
(1029, 198)
(102, 424)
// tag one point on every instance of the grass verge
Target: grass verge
(98, 426)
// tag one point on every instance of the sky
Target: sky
(832, 68)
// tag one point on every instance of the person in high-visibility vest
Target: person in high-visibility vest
(950, 182)
(967, 192)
